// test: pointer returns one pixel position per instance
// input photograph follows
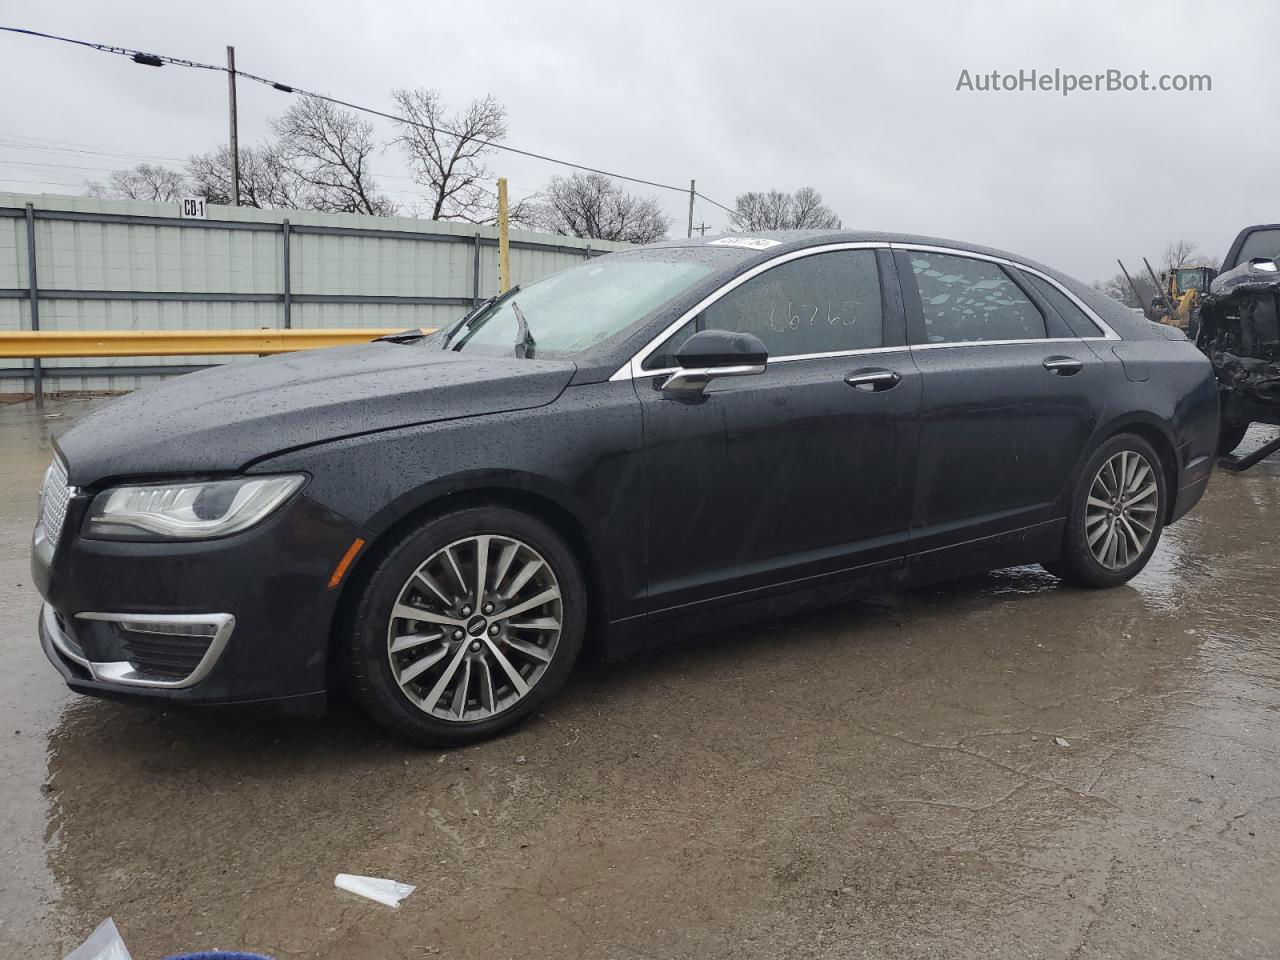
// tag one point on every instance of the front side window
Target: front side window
(824, 303)
(967, 301)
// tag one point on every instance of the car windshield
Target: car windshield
(573, 310)
(1260, 243)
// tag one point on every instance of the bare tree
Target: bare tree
(1184, 253)
(762, 211)
(327, 149)
(1117, 287)
(808, 211)
(266, 181)
(143, 182)
(778, 210)
(446, 152)
(592, 205)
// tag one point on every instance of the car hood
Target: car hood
(222, 419)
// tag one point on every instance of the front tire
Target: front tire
(1116, 515)
(1230, 436)
(467, 625)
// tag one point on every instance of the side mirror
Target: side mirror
(715, 353)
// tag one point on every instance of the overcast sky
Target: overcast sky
(857, 99)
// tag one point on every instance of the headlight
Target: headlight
(186, 511)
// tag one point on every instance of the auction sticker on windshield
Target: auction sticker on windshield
(752, 243)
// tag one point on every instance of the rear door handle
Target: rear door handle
(1063, 366)
(874, 380)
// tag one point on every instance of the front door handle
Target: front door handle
(873, 380)
(1063, 366)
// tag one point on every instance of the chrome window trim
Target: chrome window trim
(998, 343)
(667, 371)
(632, 368)
(123, 673)
(1107, 332)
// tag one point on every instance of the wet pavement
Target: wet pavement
(1002, 767)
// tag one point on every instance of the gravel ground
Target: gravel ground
(1002, 767)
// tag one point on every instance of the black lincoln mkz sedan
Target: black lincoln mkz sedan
(658, 442)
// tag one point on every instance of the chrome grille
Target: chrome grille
(54, 496)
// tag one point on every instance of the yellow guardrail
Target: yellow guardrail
(44, 344)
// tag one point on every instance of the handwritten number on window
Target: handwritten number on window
(790, 318)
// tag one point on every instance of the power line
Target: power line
(43, 183)
(60, 166)
(20, 142)
(47, 164)
(156, 60)
(22, 145)
(715, 204)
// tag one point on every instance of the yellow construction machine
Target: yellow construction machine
(1181, 290)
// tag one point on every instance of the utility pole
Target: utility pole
(702, 229)
(504, 247)
(235, 137)
(692, 191)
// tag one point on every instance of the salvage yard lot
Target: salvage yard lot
(1003, 767)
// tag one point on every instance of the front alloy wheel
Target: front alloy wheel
(467, 625)
(474, 627)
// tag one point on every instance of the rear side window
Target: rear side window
(824, 303)
(1076, 318)
(967, 300)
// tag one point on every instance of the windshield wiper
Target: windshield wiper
(474, 314)
(524, 339)
(404, 336)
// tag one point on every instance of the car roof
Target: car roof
(786, 240)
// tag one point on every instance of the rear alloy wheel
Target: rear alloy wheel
(473, 621)
(1116, 515)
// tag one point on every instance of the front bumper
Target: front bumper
(257, 608)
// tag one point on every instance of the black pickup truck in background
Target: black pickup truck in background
(1239, 331)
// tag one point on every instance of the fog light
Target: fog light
(161, 650)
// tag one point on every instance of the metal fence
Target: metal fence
(78, 263)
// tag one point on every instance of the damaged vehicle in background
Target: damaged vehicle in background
(660, 442)
(1239, 331)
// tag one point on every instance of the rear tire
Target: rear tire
(1115, 516)
(466, 626)
(1230, 435)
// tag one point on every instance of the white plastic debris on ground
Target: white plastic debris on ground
(390, 892)
(103, 944)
